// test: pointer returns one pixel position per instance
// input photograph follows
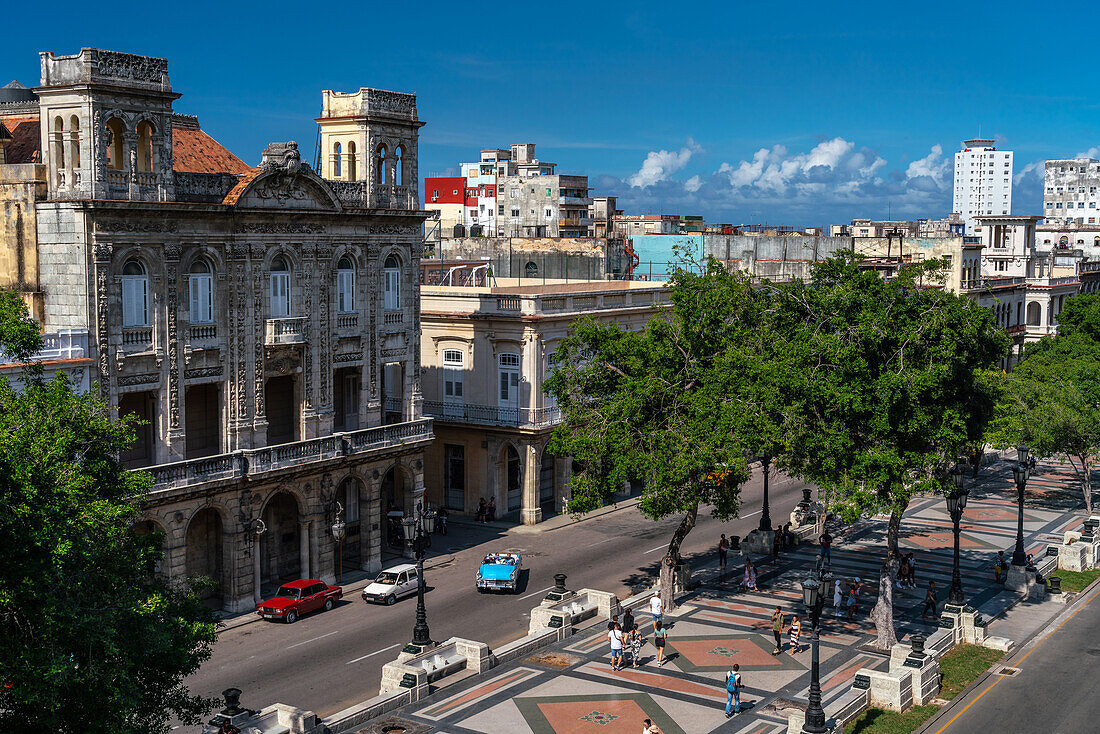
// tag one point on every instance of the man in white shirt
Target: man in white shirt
(656, 609)
(615, 635)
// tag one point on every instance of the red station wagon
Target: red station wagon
(295, 598)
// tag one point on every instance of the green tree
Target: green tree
(1051, 401)
(893, 390)
(661, 404)
(91, 640)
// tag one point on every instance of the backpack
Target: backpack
(731, 682)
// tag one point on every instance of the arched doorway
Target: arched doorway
(546, 484)
(280, 547)
(348, 496)
(513, 479)
(205, 554)
(395, 498)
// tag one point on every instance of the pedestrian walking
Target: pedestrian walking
(635, 646)
(999, 566)
(733, 691)
(826, 541)
(777, 630)
(628, 621)
(929, 601)
(647, 726)
(749, 579)
(441, 521)
(838, 599)
(723, 550)
(615, 635)
(660, 636)
(777, 544)
(492, 509)
(656, 609)
(912, 571)
(481, 511)
(796, 630)
(852, 603)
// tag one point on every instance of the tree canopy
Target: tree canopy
(894, 388)
(663, 404)
(91, 639)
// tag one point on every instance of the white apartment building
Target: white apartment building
(983, 182)
(1071, 193)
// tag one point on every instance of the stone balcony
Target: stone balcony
(492, 415)
(291, 330)
(254, 463)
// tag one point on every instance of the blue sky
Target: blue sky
(797, 113)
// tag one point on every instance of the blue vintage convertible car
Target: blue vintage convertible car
(499, 571)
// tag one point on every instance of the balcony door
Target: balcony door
(346, 399)
(454, 399)
(508, 388)
(203, 411)
(282, 413)
(454, 466)
(139, 405)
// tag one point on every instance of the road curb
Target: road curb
(243, 618)
(944, 715)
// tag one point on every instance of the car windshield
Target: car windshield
(386, 577)
(286, 592)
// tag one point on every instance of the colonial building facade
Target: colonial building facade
(262, 321)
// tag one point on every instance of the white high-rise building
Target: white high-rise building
(983, 182)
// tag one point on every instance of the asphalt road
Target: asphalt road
(1054, 692)
(331, 660)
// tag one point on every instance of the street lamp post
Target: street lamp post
(1020, 471)
(956, 503)
(423, 523)
(765, 515)
(339, 529)
(813, 596)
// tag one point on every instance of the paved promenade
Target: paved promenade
(571, 688)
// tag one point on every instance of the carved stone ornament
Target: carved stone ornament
(202, 372)
(279, 228)
(172, 251)
(396, 229)
(133, 225)
(117, 65)
(347, 357)
(103, 252)
(131, 380)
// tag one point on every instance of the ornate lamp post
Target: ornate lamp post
(1021, 471)
(339, 528)
(765, 515)
(956, 503)
(813, 596)
(423, 523)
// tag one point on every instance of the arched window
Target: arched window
(115, 130)
(398, 173)
(135, 295)
(391, 274)
(380, 174)
(1096, 242)
(201, 282)
(345, 286)
(280, 288)
(1034, 313)
(59, 142)
(336, 161)
(145, 147)
(74, 141)
(353, 170)
(531, 270)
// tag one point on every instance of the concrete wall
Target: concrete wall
(65, 281)
(573, 258)
(20, 185)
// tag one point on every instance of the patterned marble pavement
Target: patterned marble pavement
(720, 624)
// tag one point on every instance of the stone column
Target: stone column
(256, 596)
(563, 475)
(303, 547)
(371, 534)
(531, 514)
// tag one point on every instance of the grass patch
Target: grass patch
(881, 721)
(1076, 580)
(962, 665)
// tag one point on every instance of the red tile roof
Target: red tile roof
(24, 146)
(193, 151)
(234, 194)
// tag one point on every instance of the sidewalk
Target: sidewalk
(571, 688)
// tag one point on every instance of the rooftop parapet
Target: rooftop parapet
(97, 66)
(366, 102)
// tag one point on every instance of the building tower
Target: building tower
(983, 182)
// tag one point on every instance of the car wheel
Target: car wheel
(291, 617)
(391, 600)
(329, 604)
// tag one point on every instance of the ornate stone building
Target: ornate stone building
(263, 321)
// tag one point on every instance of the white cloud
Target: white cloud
(659, 165)
(834, 162)
(1093, 152)
(933, 165)
(693, 184)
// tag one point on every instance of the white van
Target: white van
(392, 584)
